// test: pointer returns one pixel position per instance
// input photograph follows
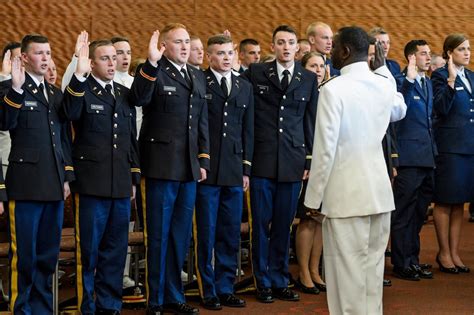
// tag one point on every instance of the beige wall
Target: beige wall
(62, 20)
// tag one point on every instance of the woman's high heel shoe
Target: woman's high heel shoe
(463, 269)
(451, 270)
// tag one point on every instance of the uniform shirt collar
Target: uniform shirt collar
(178, 67)
(103, 83)
(280, 70)
(35, 79)
(219, 76)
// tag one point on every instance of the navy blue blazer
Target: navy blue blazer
(454, 112)
(284, 122)
(414, 134)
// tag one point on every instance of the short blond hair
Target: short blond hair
(311, 29)
(170, 27)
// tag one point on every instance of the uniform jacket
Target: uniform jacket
(105, 148)
(454, 113)
(40, 158)
(174, 138)
(348, 173)
(414, 133)
(3, 190)
(284, 122)
(393, 67)
(230, 130)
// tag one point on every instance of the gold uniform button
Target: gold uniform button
(284, 97)
(115, 115)
(115, 125)
(281, 130)
(21, 160)
(115, 146)
(31, 108)
(96, 111)
(169, 93)
(226, 104)
(115, 136)
(225, 124)
(281, 118)
(224, 134)
(282, 108)
(52, 123)
(225, 113)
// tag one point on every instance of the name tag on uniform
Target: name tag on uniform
(97, 107)
(31, 103)
(263, 87)
(168, 88)
(208, 96)
(416, 97)
(459, 88)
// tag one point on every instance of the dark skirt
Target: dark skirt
(454, 178)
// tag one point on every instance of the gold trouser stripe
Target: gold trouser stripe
(14, 261)
(198, 274)
(145, 235)
(79, 284)
(249, 210)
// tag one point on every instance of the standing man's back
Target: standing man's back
(349, 177)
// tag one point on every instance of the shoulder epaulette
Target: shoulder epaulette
(324, 82)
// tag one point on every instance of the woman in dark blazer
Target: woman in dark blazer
(454, 135)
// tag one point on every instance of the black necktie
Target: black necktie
(285, 80)
(41, 88)
(185, 75)
(108, 89)
(224, 86)
(423, 87)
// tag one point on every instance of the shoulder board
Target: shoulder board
(384, 76)
(324, 82)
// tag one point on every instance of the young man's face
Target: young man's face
(285, 46)
(322, 40)
(423, 57)
(104, 62)
(36, 58)
(303, 50)
(385, 41)
(250, 54)
(124, 55)
(220, 57)
(196, 54)
(177, 45)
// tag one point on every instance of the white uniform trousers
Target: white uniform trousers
(354, 259)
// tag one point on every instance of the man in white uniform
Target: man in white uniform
(349, 177)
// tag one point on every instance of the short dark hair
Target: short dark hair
(310, 55)
(117, 39)
(451, 42)
(355, 38)
(247, 41)
(32, 38)
(218, 40)
(283, 28)
(96, 44)
(411, 47)
(10, 46)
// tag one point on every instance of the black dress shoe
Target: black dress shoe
(463, 269)
(320, 286)
(179, 308)
(231, 300)
(154, 310)
(101, 311)
(425, 266)
(285, 294)
(406, 274)
(305, 289)
(451, 270)
(387, 282)
(422, 273)
(264, 295)
(212, 303)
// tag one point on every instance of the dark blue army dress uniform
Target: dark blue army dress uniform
(40, 163)
(219, 198)
(174, 145)
(414, 184)
(106, 165)
(284, 129)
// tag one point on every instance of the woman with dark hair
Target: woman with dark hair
(309, 242)
(454, 130)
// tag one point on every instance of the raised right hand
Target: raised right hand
(83, 61)
(452, 72)
(155, 54)
(82, 39)
(6, 63)
(18, 73)
(411, 68)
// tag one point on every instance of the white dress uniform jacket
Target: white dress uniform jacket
(348, 172)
